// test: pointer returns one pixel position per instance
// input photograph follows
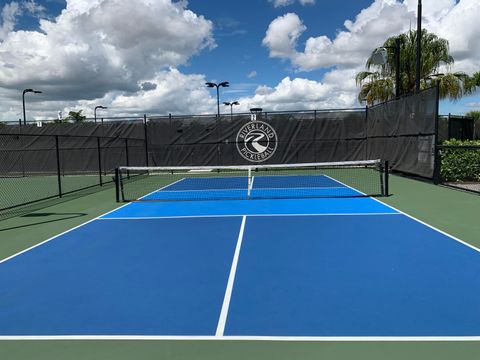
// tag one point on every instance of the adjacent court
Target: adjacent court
(308, 265)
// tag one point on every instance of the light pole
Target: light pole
(380, 58)
(95, 112)
(222, 84)
(231, 104)
(23, 101)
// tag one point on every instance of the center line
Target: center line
(231, 279)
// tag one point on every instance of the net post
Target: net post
(117, 184)
(99, 151)
(59, 174)
(386, 175)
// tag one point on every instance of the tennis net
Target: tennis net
(337, 179)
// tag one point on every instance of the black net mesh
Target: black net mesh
(347, 179)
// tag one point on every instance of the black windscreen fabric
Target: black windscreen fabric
(403, 132)
(301, 137)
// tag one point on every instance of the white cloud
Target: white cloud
(282, 35)
(307, 2)
(281, 3)
(371, 27)
(9, 15)
(301, 94)
(252, 74)
(345, 54)
(13, 10)
(33, 8)
(94, 47)
(174, 92)
(125, 55)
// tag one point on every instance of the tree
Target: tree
(75, 116)
(474, 114)
(378, 82)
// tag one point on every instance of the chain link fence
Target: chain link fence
(37, 167)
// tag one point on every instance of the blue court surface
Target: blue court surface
(325, 268)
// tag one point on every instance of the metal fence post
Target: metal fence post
(386, 175)
(145, 138)
(437, 162)
(99, 151)
(367, 154)
(315, 135)
(59, 176)
(126, 152)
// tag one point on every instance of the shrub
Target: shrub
(460, 164)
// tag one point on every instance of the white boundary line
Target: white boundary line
(245, 338)
(74, 228)
(231, 279)
(413, 218)
(239, 215)
(58, 235)
(253, 189)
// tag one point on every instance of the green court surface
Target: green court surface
(454, 212)
(25, 189)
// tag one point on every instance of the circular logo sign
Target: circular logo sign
(256, 141)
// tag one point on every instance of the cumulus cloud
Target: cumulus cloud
(301, 94)
(383, 18)
(9, 15)
(94, 47)
(252, 74)
(281, 3)
(13, 10)
(125, 55)
(282, 35)
(174, 92)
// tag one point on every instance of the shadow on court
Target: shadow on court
(46, 217)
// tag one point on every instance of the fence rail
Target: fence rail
(40, 167)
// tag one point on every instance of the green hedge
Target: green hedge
(460, 164)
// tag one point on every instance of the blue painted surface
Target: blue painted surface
(332, 275)
(260, 181)
(264, 187)
(251, 207)
(295, 181)
(160, 277)
(353, 276)
(210, 183)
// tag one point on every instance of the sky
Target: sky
(154, 56)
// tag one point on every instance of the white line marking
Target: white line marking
(69, 230)
(231, 279)
(162, 188)
(238, 215)
(58, 235)
(430, 226)
(414, 218)
(258, 189)
(245, 338)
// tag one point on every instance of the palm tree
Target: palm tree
(378, 85)
(76, 116)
